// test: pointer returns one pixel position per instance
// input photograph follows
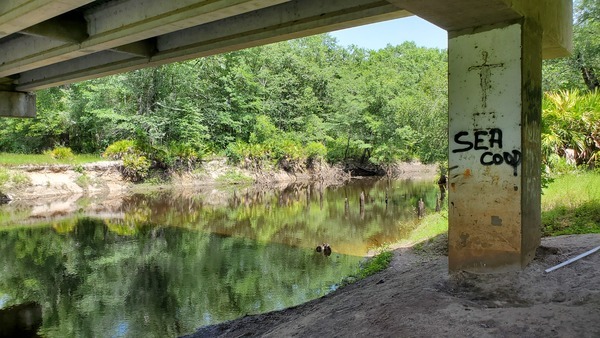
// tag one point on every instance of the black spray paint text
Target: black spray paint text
(482, 140)
(487, 140)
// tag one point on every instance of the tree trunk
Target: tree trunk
(347, 147)
(589, 75)
(590, 78)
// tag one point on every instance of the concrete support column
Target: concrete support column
(17, 104)
(494, 151)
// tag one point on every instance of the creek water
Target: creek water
(164, 264)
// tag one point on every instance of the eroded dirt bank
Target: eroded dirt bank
(416, 297)
(53, 190)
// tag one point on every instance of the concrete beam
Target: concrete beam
(16, 104)
(294, 19)
(16, 15)
(114, 24)
(458, 15)
(554, 16)
(68, 29)
(145, 48)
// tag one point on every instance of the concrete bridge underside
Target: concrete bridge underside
(495, 53)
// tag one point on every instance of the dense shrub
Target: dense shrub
(183, 156)
(136, 167)
(119, 149)
(61, 153)
(140, 156)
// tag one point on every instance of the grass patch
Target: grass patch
(571, 205)
(562, 220)
(571, 190)
(20, 179)
(429, 226)
(234, 177)
(8, 160)
(370, 266)
(13, 179)
(4, 177)
(378, 263)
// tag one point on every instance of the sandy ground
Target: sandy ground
(416, 297)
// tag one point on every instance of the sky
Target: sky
(394, 32)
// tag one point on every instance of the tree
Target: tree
(580, 71)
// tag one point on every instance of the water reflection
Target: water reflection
(164, 280)
(21, 320)
(168, 263)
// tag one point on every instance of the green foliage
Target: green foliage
(569, 129)
(61, 153)
(562, 220)
(4, 176)
(234, 177)
(140, 156)
(7, 159)
(20, 179)
(78, 168)
(136, 167)
(119, 149)
(264, 130)
(571, 204)
(580, 71)
(263, 105)
(14, 179)
(376, 264)
(344, 148)
(184, 156)
(315, 151)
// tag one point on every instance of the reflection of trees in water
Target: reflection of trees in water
(90, 274)
(300, 214)
(21, 320)
(163, 280)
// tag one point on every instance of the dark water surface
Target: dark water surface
(164, 264)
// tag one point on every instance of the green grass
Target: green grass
(12, 178)
(571, 205)
(572, 190)
(430, 226)
(9, 160)
(234, 177)
(378, 263)
(370, 266)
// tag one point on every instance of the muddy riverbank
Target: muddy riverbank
(416, 297)
(104, 180)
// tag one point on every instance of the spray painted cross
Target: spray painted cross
(485, 71)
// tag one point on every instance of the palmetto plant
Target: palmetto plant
(571, 126)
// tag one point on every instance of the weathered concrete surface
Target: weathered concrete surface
(53, 42)
(16, 104)
(555, 17)
(494, 177)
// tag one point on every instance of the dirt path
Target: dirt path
(416, 297)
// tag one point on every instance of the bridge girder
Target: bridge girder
(44, 43)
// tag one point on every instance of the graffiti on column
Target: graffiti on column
(485, 71)
(488, 141)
